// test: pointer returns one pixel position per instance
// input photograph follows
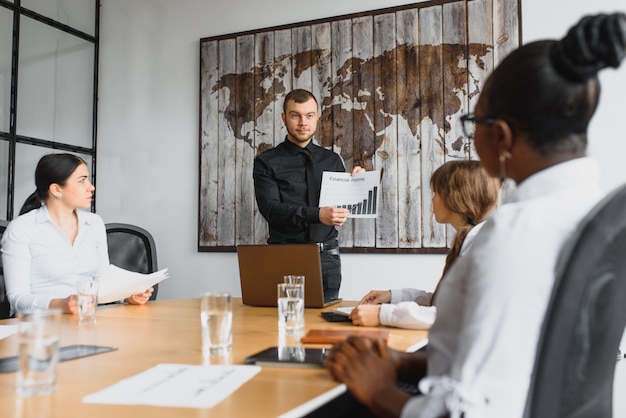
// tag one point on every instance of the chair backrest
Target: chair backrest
(576, 354)
(5, 307)
(132, 248)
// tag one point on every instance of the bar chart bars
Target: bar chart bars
(366, 206)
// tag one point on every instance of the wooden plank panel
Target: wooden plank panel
(386, 128)
(409, 116)
(265, 87)
(322, 74)
(505, 28)
(432, 124)
(480, 62)
(244, 149)
(455, 79)
(363, 114)
(302, 57)
(454, 87)
(209, 175)
(226, 152)
(335, 118)
(283, 75)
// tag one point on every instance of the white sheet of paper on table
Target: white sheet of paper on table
(177, 385)
(7, 330)
(344, 310)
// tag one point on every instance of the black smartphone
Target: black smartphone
(69, 352)
(334, 317)
(289, 356)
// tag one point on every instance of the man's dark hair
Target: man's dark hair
(298, 96)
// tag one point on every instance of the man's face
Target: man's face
(301, 121)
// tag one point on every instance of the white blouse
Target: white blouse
(491, 305)
(410, 308)
(39, 262)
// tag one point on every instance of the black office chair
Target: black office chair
(132, 248)
(576, 355)
(5, 307)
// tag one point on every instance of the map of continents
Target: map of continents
(241, 113)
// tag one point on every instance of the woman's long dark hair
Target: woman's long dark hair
(51, 169)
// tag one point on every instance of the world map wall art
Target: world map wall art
(391, 84)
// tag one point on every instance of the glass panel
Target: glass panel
(4, 177)
(26, 159)
(6, 40)
(55, 85)
(78, 14)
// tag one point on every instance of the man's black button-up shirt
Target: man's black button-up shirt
(281, 191)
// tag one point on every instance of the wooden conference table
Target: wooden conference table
(168, 331)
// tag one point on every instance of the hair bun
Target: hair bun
(594, 43)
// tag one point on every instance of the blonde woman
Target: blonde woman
(463, 196)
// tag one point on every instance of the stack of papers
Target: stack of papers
(118, 284)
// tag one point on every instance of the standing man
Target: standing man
(287, 181)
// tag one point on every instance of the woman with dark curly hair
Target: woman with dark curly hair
(530, 126)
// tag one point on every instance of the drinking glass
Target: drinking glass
(39, 333)
(216, 316)
(290, 307)
(87, 291)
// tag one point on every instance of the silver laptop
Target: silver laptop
(262, 267)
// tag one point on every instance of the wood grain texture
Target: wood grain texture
(391, 84)
(168, 332)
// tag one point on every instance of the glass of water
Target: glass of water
(216, 317)
(87, 291)
(39, 334)
(290, 307)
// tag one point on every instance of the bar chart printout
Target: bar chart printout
(358, 193)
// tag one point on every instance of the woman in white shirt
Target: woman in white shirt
(530, 126)
(463, 196)
(53, 244)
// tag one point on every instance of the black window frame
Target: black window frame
(11, 137)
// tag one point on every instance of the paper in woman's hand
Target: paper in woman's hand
(118, 284)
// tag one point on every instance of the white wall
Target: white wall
(148, 157)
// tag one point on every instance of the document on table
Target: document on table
(177, 385)
(344, 310)
(359, 194)
(118, 284)
(7, 330)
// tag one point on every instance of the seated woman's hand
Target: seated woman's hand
(68, 305)
(374, 297)
(364, 365)
(366, 315)
(140, 298)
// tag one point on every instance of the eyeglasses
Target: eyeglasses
(470, 120)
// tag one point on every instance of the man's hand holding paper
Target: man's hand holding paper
(356, 192)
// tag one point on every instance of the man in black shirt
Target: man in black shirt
(288, 198)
